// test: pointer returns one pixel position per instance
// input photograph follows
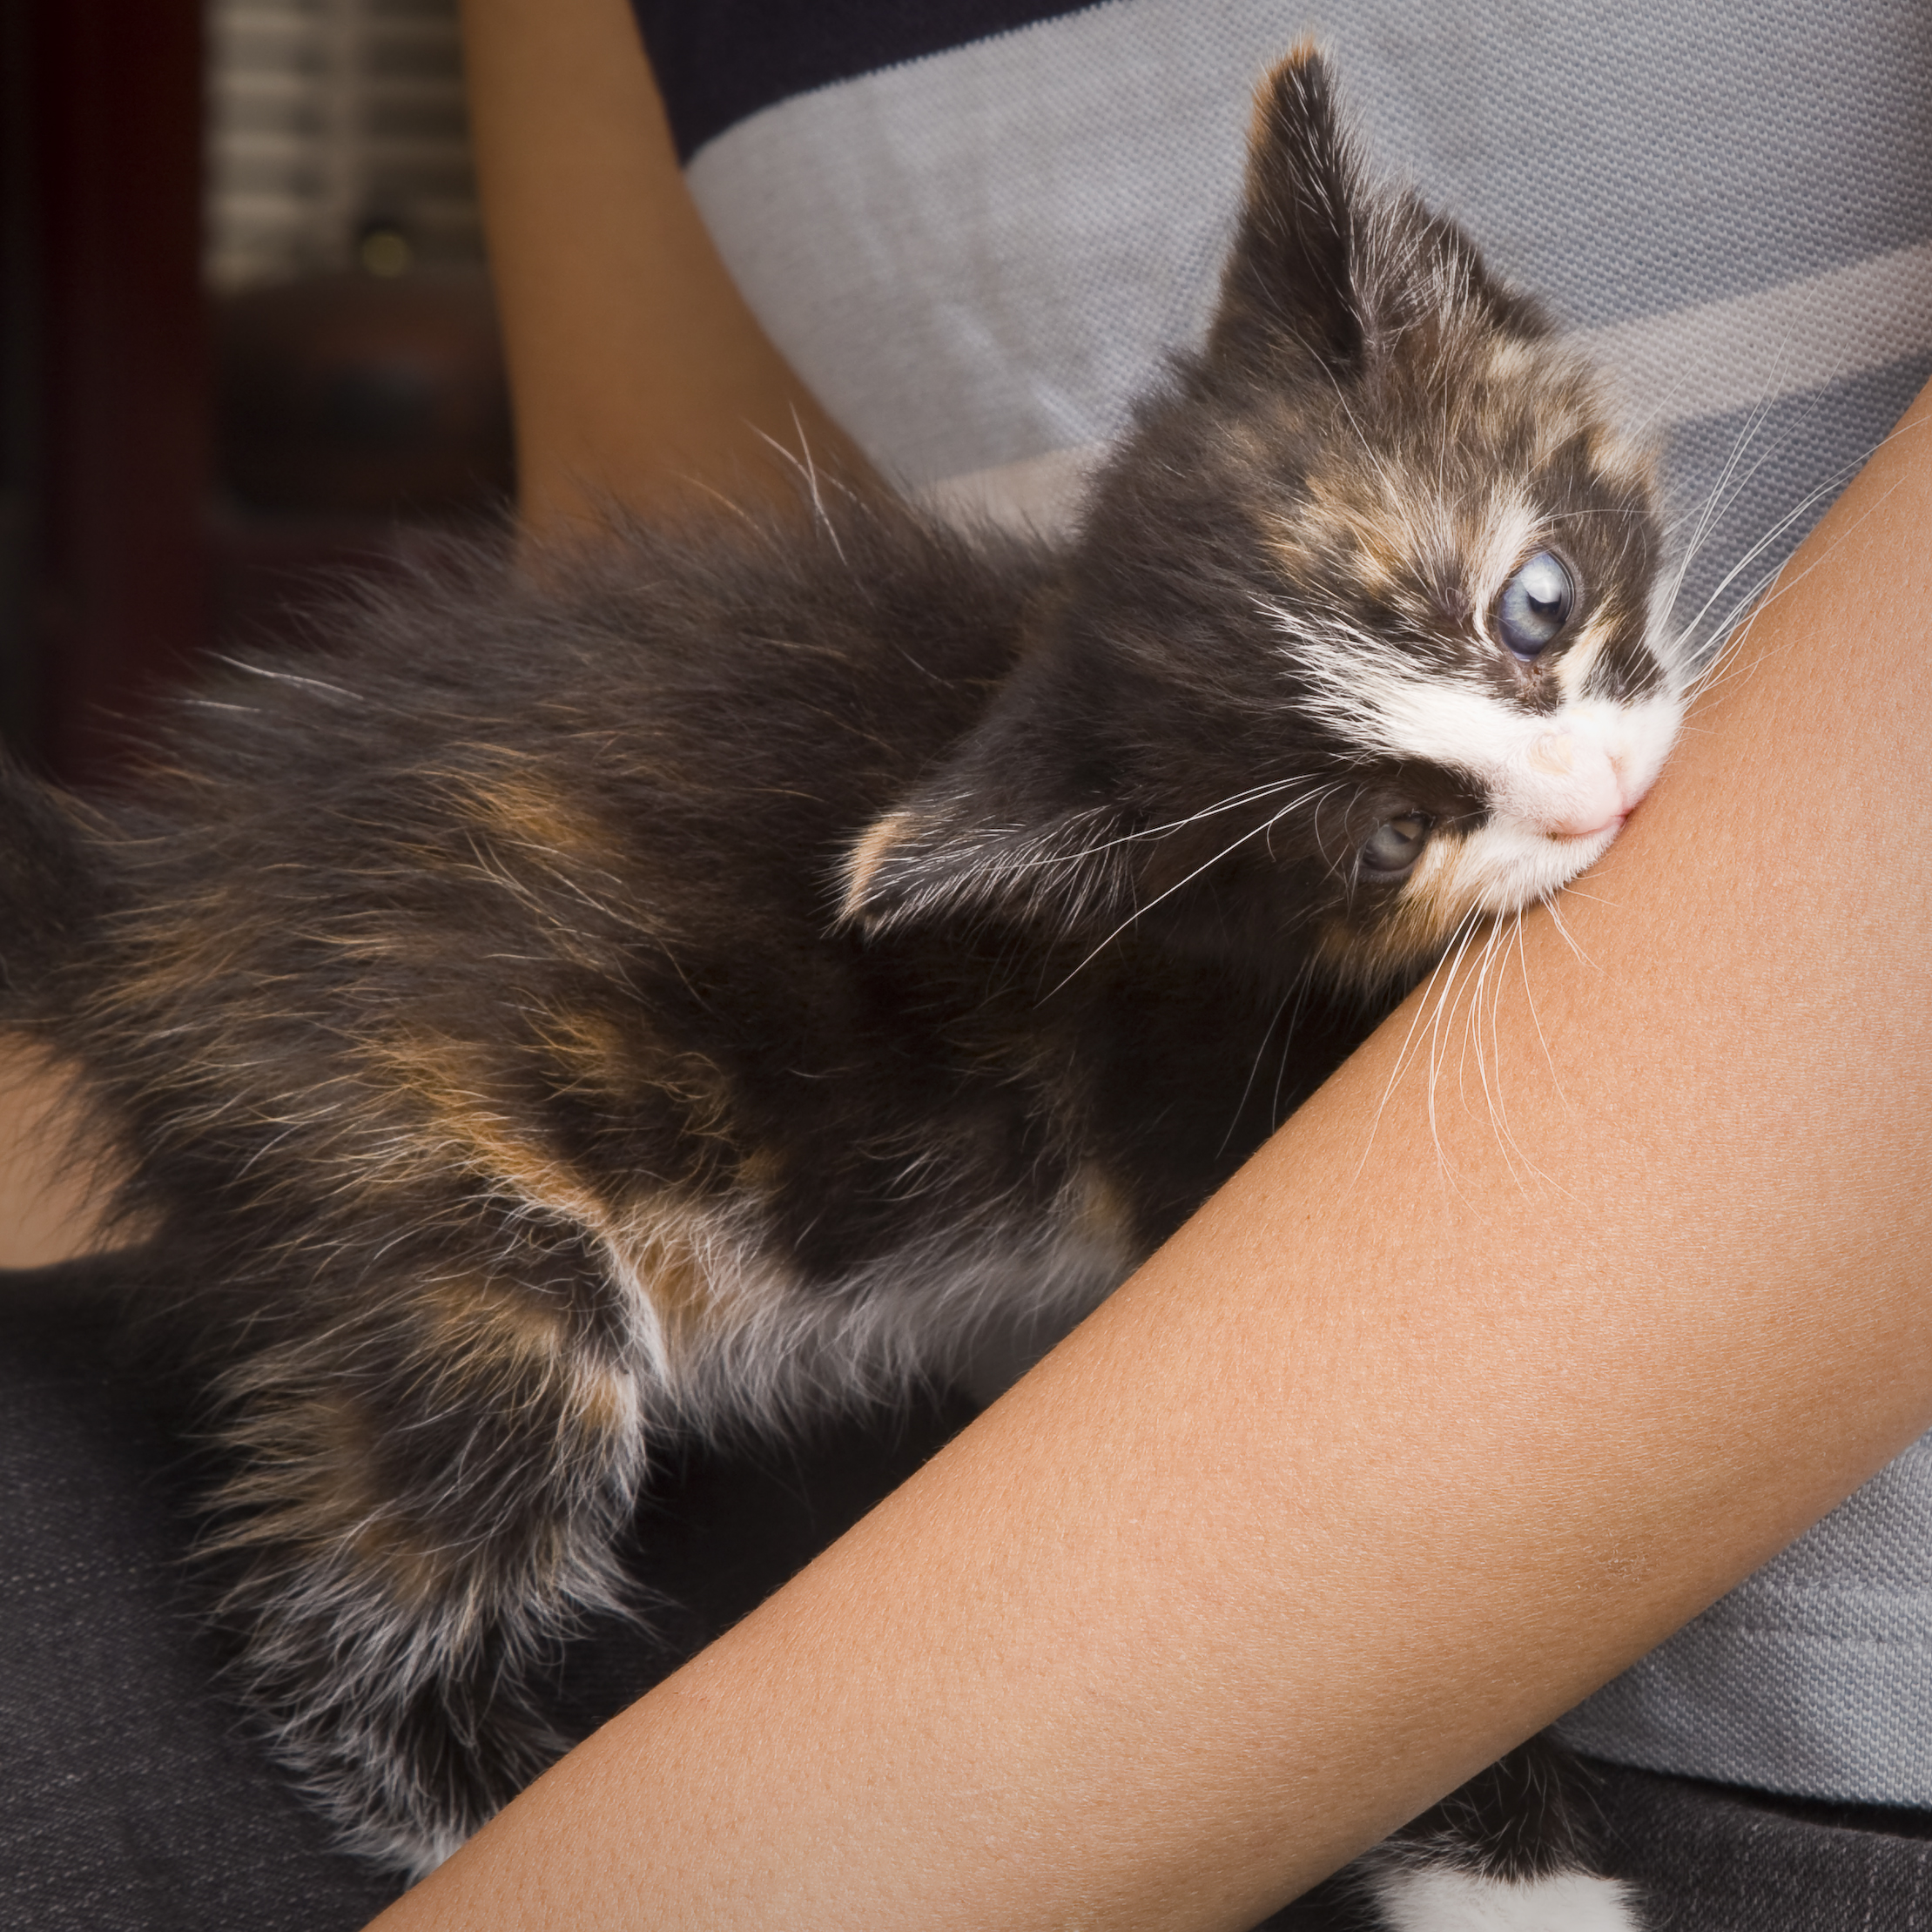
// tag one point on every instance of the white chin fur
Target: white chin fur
(1438, 1899)
(1503, 866)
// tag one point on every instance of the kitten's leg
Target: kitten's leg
(1507, 1853)
(431, 1487)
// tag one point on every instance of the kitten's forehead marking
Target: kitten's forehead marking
(1361, 517)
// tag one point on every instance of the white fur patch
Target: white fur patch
(1441, 1899)
(1500, 868)
(1382, 702)
(1556, 784)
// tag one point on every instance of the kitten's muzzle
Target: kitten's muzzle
(1570, 785)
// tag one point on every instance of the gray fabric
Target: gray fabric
(977, 259)
(981, 257)
(1706, 1859)
(1813, 1677)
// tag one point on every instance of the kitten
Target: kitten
(710, 980)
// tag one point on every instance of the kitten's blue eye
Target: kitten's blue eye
(1537, 603)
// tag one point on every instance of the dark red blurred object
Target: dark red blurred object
(353, 393)
(133, 526)
(109, 434)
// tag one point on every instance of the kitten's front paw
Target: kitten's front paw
(1442, 1898)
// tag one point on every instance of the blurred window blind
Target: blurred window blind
(336, 125)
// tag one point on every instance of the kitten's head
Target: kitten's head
(1357, 641)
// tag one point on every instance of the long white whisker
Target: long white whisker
(1241, 1106)
(1776, 532)
(1710, 513)
(1724, 494)
(1287, 1040)
(1721, 667)
(1405, 1052)
(1556, 919)
(1441, 1020)
(1513, 1149)
(1536, 1019)
(1472, 1042)
(809, 470)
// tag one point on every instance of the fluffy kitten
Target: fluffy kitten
(708, 980)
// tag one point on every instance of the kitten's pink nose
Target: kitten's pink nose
(1583, 791)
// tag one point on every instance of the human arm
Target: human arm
(637, 373)
(1422, 1429)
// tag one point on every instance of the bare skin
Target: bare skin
(46, 1198)
(636, 371)
(1419, 1431)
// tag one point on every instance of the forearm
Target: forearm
(637, 373)
(1435, 1418)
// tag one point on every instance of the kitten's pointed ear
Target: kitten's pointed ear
(1292, 272)
(967, 844)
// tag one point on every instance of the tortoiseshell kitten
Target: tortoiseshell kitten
(710, 980)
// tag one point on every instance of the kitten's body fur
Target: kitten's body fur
(713, 982)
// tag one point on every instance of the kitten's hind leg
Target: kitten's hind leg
(429, 1487)
(1508, 1852)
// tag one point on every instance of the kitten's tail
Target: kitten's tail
(50, 887)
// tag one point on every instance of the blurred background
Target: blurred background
(245, 334)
